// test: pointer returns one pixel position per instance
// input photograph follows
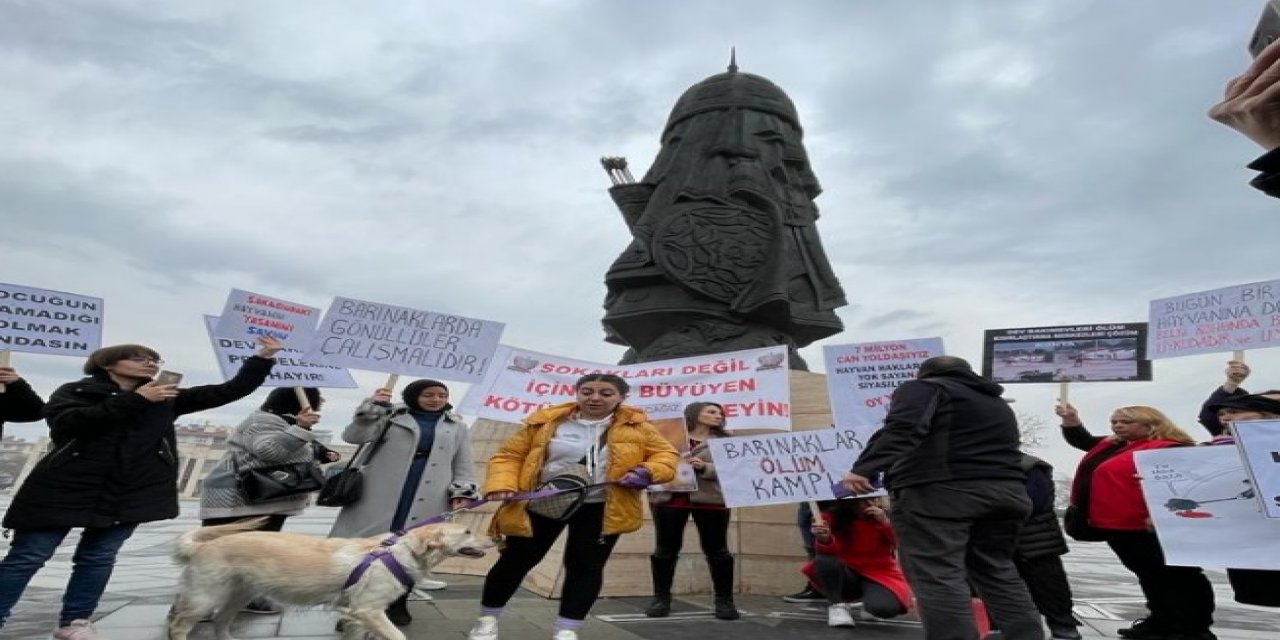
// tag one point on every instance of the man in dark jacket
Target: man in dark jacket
(18, 402)
(949, 449)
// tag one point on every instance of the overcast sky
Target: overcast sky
(985, 163)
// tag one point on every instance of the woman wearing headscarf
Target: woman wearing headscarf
(417, 464)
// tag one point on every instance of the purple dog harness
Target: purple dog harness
(383, 551)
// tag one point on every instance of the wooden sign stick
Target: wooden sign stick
(302, 398)
(391, 382)
(1064, 392)
(1237, 355)
(817, 512)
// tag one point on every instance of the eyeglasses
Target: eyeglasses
(146, 360)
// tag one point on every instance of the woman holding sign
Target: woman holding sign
(113, 465)
(855, 561)
(18, 401)
(672, 510)
(608, 450)
(417, 465)
(1107, 505)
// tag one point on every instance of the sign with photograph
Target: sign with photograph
(1078, 353)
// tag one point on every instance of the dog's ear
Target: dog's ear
(422, 540)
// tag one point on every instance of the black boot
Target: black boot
(398, 612)
(722, 583)
(664, 571)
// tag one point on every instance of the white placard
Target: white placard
(247, 315)
(1237, 318)
(291, 369)
(1203, 508)
(383, 337)
(783, 467)
(754, 386)
(45, 321)
(861, 378)
(1259, 443)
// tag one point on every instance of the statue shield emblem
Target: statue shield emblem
(717, 250)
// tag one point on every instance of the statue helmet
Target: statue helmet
(733, 90)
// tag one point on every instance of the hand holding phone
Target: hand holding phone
(168, 378)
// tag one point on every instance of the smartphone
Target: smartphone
(1268, 29)
(168, 377)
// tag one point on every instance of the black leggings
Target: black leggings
(668, 529)
(585, 553)
(840, 583)
(275, 521)
(1180, 598)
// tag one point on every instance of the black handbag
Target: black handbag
(346, 485)
(573, 482)
(279, 481)
(1076, 523)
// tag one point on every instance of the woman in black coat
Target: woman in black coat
(113, 465)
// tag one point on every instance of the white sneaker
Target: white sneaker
(77, 630)
(431, 585)
(420, 595)
(486, 628)
(838, 616)
(565, 634)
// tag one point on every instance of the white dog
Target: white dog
(225, 571)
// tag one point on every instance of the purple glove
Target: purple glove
(637, 478)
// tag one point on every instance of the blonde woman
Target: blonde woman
(1107, 499)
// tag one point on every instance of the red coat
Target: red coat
(869, 548)
(1115, 494)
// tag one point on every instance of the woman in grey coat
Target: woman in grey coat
(418, 465)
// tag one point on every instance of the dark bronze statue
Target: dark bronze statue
(725, 254)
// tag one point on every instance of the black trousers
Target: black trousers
(840, 583)
(275, 521)
(1180, 598)
(668, 530)
(1047, 581)
(585, 553)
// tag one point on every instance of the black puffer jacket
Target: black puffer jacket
(1041, 535)
(951, 425)
(19, 403)
(114, 458)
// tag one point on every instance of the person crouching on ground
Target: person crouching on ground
(855, 562)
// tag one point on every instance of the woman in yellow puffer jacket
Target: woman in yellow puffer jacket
(618, 446)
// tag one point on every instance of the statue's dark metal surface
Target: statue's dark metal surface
(725, 253)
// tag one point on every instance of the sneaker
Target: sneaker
(838, 616)
(419, 594)
(807, 594)
(1146, 629)
(260, 607)
(432, 585)
(565, 634)
(486, 628)
(77, 630)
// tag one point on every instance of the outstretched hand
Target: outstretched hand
(1251, 104)
(157, 392)
(270, 346)
(1067, 412)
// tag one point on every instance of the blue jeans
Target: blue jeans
(92, 563)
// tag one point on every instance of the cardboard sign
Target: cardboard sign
(1079, 353)
(1237, 318)
(754, 386)
(1259, 443)
(247, 315)
(1196, 495)
(861, 378)
(291, 369)
(784, 467)
(400, 340)
(53, 322)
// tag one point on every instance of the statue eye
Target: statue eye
(770, 136)
(674, 140)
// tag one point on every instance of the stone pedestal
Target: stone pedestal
(764, 540)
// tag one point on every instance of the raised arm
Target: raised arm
(1073, 430)
(1236, 372)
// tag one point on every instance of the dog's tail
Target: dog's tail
(188, 542)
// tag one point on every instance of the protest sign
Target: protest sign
(753, 385)
(1078, 353)
(292, 369)
(676, 431)
(783, 467)
(247, 315)
(400, 340)
(1259, 443)
(1203, 509)
(861, 378)
(1236, 318)
(53, 322)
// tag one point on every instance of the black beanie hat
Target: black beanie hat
(284, 400)
(414, 389)
(1254, 402)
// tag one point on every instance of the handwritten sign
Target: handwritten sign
(1259, 442)
(247, 315)
(1234, 318)
(861, 378)
(291, 369)
(392, 339)
(1196, 494)
(753, 385)
(784, 467)
(1077, 353)
(53, 322)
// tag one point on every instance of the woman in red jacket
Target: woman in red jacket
(1107, 497)
(855, 549)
